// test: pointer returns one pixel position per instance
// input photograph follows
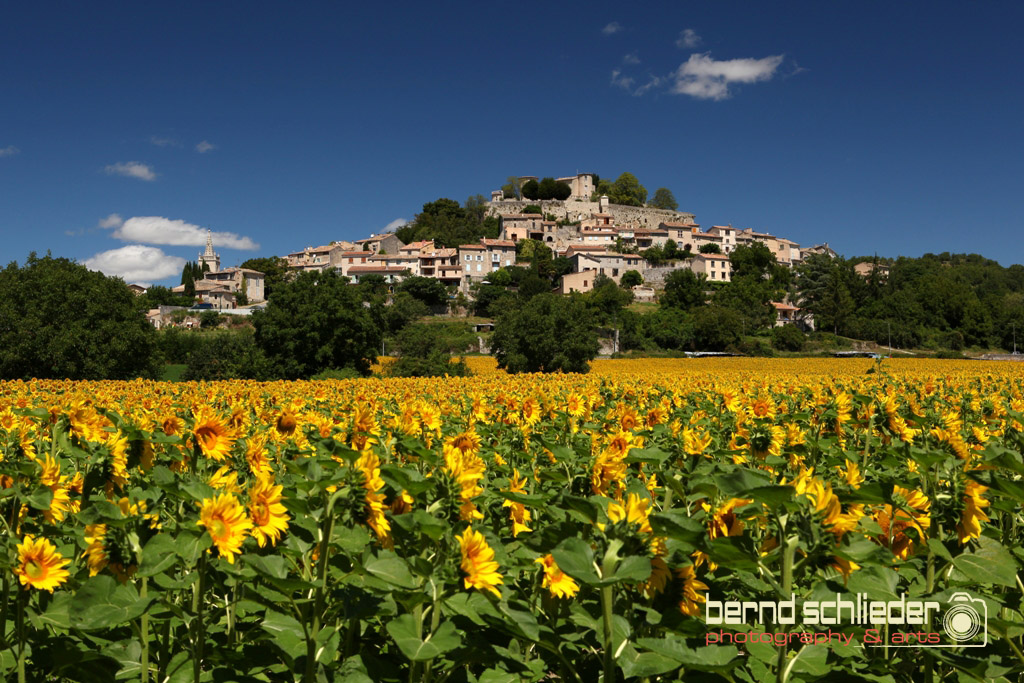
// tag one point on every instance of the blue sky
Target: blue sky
(893, 128)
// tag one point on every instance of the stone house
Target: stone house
(716, 267)
(523, 226)
(218, 294)
(866, 268)
(384, 243)
(316, 258)
(239, 279)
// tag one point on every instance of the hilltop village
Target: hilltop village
(596, 236)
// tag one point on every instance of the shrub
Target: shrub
(788, 338)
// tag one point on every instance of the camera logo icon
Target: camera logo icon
(966, 621)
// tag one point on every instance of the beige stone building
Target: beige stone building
(316, 258)
(866, 268)
(486, 256)
(218, 294)
(581, 185)
(391, 274)
(716, 267)
(387, 243)
(239, 280)
(524, 226)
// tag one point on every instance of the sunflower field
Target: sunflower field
(514, 528)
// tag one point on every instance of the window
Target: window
(479, 257)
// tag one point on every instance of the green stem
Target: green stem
(788, 553)
(144, 636)
(200, 630)
(606, 609)
(20, 624)
(321, 588)
(3, 610)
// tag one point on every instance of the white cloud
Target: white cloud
(688, 39)
(114, 220)
(8, 151)
(395, 225)
(707, 79)
(653, 83)
(620, 81)
(204, 147)
(631, 58)
(164, 142)
(612, 27)
(136, 263)
(132, 169)
(178, 233)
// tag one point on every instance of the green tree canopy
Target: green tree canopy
(549, 333)
(429, 290)
(58, 319)
(631, 278)
(628, 191)
(274, 269)
(530, 190)
(684, 290)
(317, 322)
(709, 248)
(425, 350)
(664, 199)
(449, 224)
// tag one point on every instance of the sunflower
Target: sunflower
(973, 515)
(634, 512)
(695, 442)
(468, 442)
(225, 479)
(226, 523)
(369, 465)
(478, 562)
(559, 584)
(912, 512)
(40, 565)
(519, 514)
(692, 591)
(268, 515)
(212, 435)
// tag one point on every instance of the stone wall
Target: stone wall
(655, 277)
(575, 209)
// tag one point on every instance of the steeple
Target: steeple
(209, 258)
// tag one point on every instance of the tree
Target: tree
(716, 328)
(449, 224)
(684, 290)
(549, 188)
(425, 351)
(788, 338)
(630, 279)
(628, 191)
(511, 188)
(530, 190)
(274, 271)
(710, 248)
(430, 291)
(670, 250)
(607, 299)
(664, 199)
(532, 208)
(317, 322)
(61, 320)
(403, 310)
(654, 255)
(549, 333)
(188, 279)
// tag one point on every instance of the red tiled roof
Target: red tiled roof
(521, 216)
(465, 247)
(376, 269)
(497, 243)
